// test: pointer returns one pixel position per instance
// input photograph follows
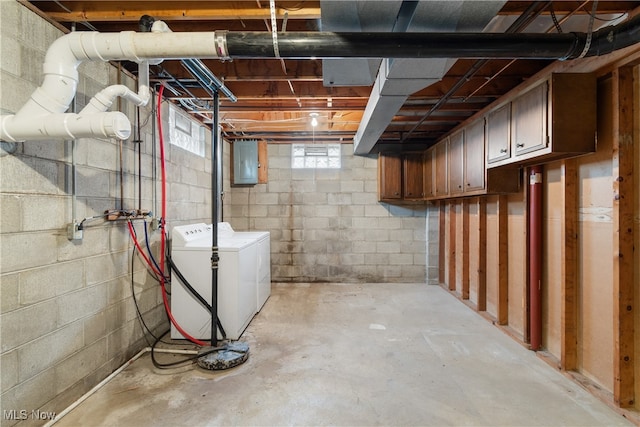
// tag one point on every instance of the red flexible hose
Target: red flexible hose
(137, 244)
(163, 235)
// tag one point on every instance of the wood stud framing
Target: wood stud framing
(465, 250)
(482, 254)
(452, 246)
(569, 267)
(623, 237)
(624, 283)
(503, 262)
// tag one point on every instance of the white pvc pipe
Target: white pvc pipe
(103, 100)
(34, 120)
(112, 124)
(91, 392)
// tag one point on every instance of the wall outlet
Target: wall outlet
(74, 232)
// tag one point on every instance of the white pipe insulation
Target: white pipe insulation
(43, 115)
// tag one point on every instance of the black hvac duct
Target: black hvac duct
(433, 45)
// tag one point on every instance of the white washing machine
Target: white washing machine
(263, 240)
(191, 253)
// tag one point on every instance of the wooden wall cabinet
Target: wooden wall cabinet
(474, 165)
(553, 120)
(413, 176)
(390, 177)
(466, 160)
(428, 177)
(455, 158)
(499, 134)
(460, 170)
(549, 120)
(440, 165)
(401, 177)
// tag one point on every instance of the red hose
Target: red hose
(137, 244)
(163, 235)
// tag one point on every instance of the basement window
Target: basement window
(315, 156)
(185, 132)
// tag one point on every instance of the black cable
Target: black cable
(143, 324)
(178, 363)
(193, 292)
(150, 270)
(187, 285)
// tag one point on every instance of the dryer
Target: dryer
(263, 241)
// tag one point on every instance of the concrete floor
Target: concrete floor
(355, 354)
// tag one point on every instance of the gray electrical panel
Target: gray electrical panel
(245, 162)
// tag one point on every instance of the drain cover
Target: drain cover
(233, 354)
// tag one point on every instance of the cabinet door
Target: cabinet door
(440, 165)
(456, 163)
(389, 176)
(499, 134)
(474, 156)
(413, 176)
(529, 120)
(427, 174)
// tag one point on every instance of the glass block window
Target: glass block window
(315, 156)
(185, 132)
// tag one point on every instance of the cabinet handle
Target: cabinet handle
(396, 193)
(503, 150)
(519, 145)
(459, 186)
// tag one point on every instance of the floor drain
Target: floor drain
(233, 354)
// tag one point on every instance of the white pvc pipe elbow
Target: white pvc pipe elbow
(103, 100)
(55, 94)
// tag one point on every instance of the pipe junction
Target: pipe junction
(43, 115)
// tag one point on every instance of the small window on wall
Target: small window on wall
(315, 156)
(185, 132)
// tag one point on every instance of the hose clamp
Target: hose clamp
(220, 42)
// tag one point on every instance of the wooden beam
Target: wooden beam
(623, 237)
(569, 267)
(503, 262)
(96, 11)
(465, 249)
(482, 254)
(452, 246)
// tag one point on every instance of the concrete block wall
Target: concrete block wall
(327, 225)
(67, 317)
